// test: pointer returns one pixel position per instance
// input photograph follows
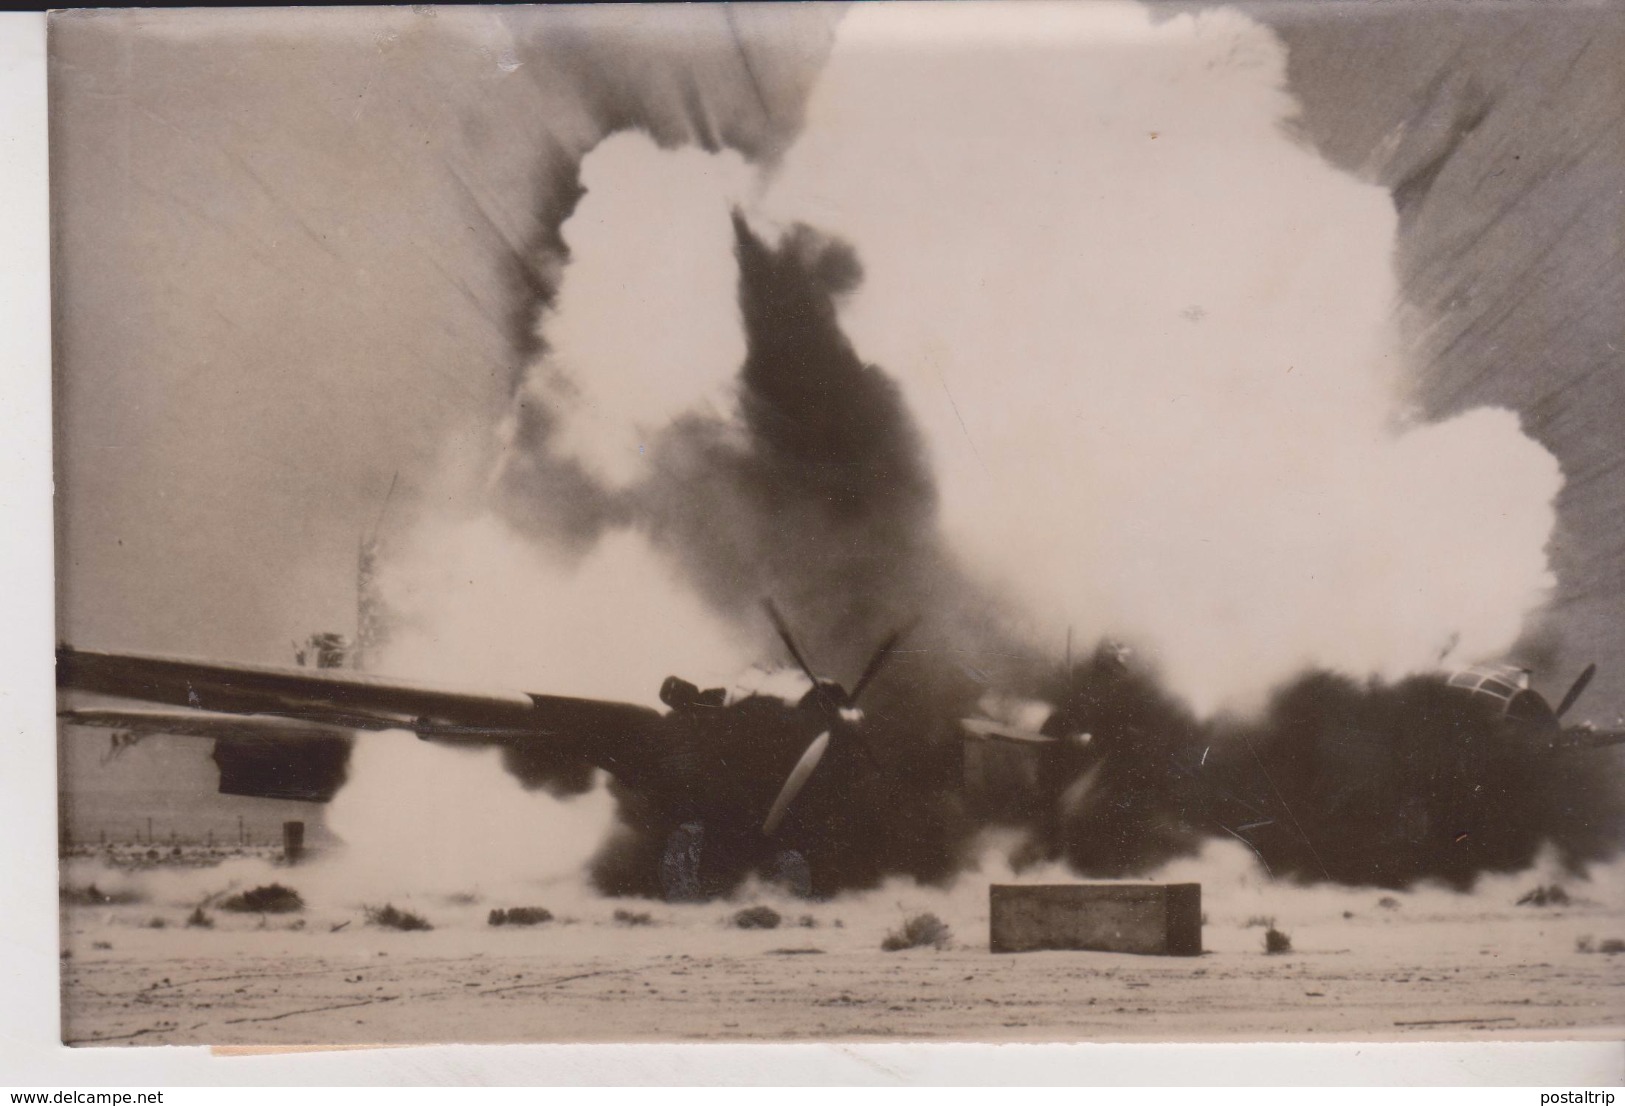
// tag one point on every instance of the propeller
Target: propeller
(820, 745)
(790, 643)
(1576, 689)
(796, 781)
(878, 661)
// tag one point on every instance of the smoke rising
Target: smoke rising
(1045, 322)
(1148, 338)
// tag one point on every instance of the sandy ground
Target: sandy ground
(1425, 966)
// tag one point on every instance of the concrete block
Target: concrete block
(1159, 919)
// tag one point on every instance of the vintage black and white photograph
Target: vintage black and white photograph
(1054, 521)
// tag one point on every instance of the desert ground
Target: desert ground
(1425, 964)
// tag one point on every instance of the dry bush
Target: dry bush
(199, 919)
(917, 932)
(157, 923)
(628, 918)
(273, 898)
(1388, 902)
(520, 916)
(91, 895)
(1276, 942)
(1611, 947)
(757, 917)
(390, 918)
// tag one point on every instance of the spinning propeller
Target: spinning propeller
(835, 700)
(1575, 690)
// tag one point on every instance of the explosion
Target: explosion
(1045, 323)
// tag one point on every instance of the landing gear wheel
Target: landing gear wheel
(791, 872)
(680, 865)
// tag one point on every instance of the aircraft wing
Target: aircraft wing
(342, 698)
(1588, 737)
(199, 723)
(288, 732)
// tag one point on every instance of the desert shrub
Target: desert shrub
(157, 923)
(1553, 895)
(389, 917)
(758, 917)
(628, 918)
(1388, 902)
(1276, 942)
(273, 898)
(1612, 947)
(91, 895)
(519, 916)
(199, 919)
(917, 932)
(807, 921)
(1585, 944)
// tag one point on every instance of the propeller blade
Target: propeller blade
(1576, 689)
(1079, 794)
(795, 782)
(878, 661)
(789, 640)
(988, 730)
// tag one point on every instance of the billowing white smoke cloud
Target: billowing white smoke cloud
(479, 605)
(419, 818)
(1149, 337)
(646, 324)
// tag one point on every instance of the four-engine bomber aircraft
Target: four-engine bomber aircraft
(758, 783)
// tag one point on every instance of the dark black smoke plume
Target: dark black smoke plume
(1356, 783)
(819, 496)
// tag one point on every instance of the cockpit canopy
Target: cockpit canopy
(1501, 682)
